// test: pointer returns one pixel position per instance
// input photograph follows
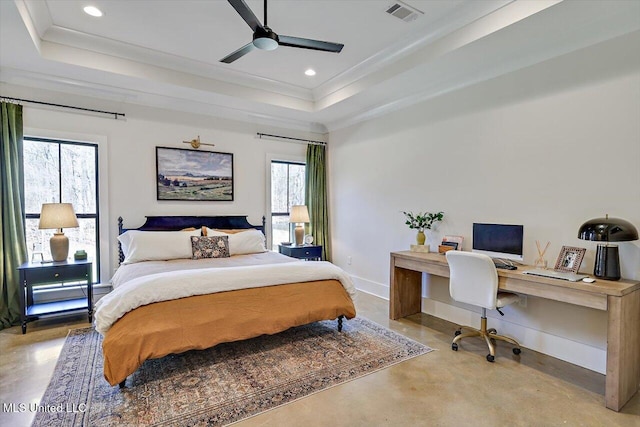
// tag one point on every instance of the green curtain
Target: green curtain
(12, 239)
(316, 198)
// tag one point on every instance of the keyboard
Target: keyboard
(553, 274)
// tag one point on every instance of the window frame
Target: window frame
(96, 216)
(275, 158)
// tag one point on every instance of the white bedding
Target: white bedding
(132, 271)
(170, 285)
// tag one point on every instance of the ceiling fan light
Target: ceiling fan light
(265, 39)
(265, 43)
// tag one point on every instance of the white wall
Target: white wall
(129, 146)
(549, 147)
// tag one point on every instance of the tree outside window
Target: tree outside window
(287, 189)
(62, 172)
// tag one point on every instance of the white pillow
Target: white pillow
(245, 242)
(156, 245)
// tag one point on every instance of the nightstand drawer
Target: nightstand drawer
(55, 274)
(313, 252)
(302, 252)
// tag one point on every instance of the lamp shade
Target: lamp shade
(608, 230)
(299, 213)
(57, 215)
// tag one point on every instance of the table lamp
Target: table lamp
(607, 265)
(299, 214)
(58, 216)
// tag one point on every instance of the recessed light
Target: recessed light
(310, 72)
(93, 11)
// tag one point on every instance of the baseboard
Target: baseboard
(377, 289)
(588, 357)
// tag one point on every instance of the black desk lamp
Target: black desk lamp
(607, 229)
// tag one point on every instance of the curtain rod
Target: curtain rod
(298, 140)
(111, 113)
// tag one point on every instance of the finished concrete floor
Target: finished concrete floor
(442, 388)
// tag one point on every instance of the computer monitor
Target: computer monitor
(498, 240)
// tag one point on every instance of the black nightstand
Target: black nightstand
(308, 252)
(53, 272)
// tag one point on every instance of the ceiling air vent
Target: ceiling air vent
(403, 11)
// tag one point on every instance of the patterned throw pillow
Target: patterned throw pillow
(209, 247)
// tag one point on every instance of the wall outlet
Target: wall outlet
(348, 260)
(523, 301)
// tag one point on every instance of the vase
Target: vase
(540, 263)
(420, 238)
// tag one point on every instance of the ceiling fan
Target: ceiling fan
(264, 38)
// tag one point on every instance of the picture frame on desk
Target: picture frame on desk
(570, 259)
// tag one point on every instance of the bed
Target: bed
(165, 306)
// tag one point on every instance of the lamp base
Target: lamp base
(299, 233)
(607, 264)
(59, 245)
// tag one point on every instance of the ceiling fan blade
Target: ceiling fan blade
(310, 44)
(238, 53)
(243, 10)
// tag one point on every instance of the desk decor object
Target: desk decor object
(58, 216)
(540, 262)
(183, 174)
(422, 221)
(607, 265)
(420, 248)
(450, 243)
(455, 241)
(299, 215)
(569, 259)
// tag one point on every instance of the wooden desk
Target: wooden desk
(621, 301)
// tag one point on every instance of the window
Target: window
(287, 189)
(58, 171)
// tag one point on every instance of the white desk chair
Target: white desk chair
(474, 280)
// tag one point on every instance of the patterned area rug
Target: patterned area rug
(220, 385)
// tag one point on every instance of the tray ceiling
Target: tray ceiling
(166, 53)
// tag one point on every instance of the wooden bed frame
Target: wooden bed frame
(173, 223)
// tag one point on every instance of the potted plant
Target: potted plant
(422, 221)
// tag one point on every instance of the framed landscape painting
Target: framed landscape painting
(184, 174)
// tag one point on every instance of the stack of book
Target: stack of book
(450, 243)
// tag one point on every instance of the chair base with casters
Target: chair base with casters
(489, 335)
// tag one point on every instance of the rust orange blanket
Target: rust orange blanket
(199, 322)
